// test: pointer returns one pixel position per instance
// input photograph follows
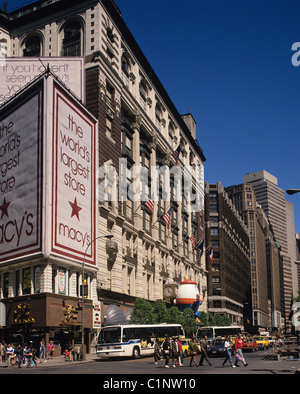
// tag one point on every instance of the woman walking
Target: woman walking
(228, 347)
(239, 352)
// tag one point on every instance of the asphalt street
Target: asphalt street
(261, 363)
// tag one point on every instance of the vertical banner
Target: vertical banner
(97, 315)
(21, 177)
(73, 180)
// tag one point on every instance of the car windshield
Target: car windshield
(219, 342)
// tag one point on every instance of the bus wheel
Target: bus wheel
(136, 352)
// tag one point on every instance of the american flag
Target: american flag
(176, 154)
(150, 204)
(193, 240)
(167, 218)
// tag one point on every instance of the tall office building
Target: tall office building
(243, 198)
(266, 262)
(229, 284)
(272, 200)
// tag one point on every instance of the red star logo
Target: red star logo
(4, 207)
(75, 208)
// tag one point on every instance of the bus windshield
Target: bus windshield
(110, 335)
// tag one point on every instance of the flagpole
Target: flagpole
(161, 215)
(137, 208)
(176, 224)
(187, 235)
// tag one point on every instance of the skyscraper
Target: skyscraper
(272, 200)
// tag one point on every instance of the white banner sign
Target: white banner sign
(15, 73)
(97, 315)
(74, 180)
(20, 179)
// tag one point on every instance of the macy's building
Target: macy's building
(77, 94)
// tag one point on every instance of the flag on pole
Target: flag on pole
(210, 254)
(150, 204)
(200, 247)
(193, 240)
(176, 154)
(167, 218)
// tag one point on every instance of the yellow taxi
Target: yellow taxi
(262, 342)
(185, 346)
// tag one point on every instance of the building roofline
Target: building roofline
(128, 37)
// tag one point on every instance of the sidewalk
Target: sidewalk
(57, 361)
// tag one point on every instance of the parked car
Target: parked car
(217, 348)
(250, 344)
(262, 342)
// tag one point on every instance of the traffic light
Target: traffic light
(85, 290)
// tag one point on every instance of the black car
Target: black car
(217, 348)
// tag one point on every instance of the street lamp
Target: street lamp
(109, 236)
(292, 191)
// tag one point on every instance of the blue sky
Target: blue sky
(228, 62)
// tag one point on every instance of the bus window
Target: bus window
(126, 335)
(110, 335)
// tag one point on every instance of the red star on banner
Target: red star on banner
(4, 208)
(75, 208)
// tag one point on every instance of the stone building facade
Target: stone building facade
(138, 125)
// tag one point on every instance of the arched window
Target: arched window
(32, 46)
(125, 65)
(71, 44)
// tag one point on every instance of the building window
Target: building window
(108, 126)
(213, 208)
(5, 284)
(162, 231)
(37, 279)
(26, 281)
(214, 219)
(32, 47)
(143, 94)
(125, 70)
(158, 115)
(109, 93)
(171, 132)
(72, 39)
(175, 239)
(128, 203)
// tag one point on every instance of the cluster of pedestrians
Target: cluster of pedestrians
(27, 355)
(173, 351)
(237, 346)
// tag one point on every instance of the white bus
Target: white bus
(217, 331)
(133, 340)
